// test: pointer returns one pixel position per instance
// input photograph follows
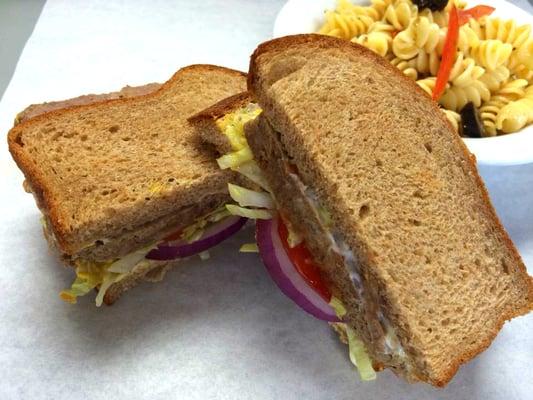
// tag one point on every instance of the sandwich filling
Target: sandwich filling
(196, 238)
(232, 126)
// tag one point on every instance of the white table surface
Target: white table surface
(215, 329)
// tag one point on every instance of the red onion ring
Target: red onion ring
(285, 275)
(212, 236)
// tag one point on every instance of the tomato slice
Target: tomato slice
(303, 262)
(173, 236)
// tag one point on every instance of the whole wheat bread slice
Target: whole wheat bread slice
(118, 174)
(403, 192)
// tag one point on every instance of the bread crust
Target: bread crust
(320, 41)
(44, 197)
(222, 108)
(128, 91)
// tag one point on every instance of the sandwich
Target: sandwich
(370, 212)
(125, 188)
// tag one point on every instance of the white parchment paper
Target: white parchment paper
(215, 329)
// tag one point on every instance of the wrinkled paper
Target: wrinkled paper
(212, 329)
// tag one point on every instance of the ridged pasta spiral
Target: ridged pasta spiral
(426, 63)
(523, 55)
(380, 6)
(467, 39)
(346, 6)
(378, 42)
(405, 67)
(465, 85)
(464, 71)
(456, 97)
(508, 31)
(427, 84)
(494, 79)
(491, 53)
(509, 92)
(421, 36)
(345, 26)
(453, 117)
(517, 114)
(400, 13)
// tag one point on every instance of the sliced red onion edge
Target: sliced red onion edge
(212, 236)
(285, 275)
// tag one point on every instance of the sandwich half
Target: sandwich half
(125, 187)
(377, 204)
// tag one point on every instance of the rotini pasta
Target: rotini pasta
(505, 30)
(517, 114)
(456, 97)
(427, 84)
(492, 67)
(400, 13)
(405, 67)
(509, 92)
(345, 26)
(491, 53)
(421, 36)
(426, 63)
(465, 71)
(468, 39)
(453, 117)
(495, 78)
(378, 42)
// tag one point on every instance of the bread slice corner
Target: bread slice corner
(205, 121)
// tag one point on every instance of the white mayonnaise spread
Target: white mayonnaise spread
(392, 345)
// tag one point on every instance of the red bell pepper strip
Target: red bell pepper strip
(474, 12)
(448, 54)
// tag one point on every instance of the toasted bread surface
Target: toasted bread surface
(403, 191)
(101, 170)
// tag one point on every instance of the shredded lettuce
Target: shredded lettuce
(195, 231)
(89, 275)
(252, 171)
(108, 279)
(246, 197)
(359, 357)
(126, 264)
(235, 158)
(249, 248)
(337, 305)
(80, 287)
(248, 213)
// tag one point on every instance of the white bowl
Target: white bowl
(304, 16)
